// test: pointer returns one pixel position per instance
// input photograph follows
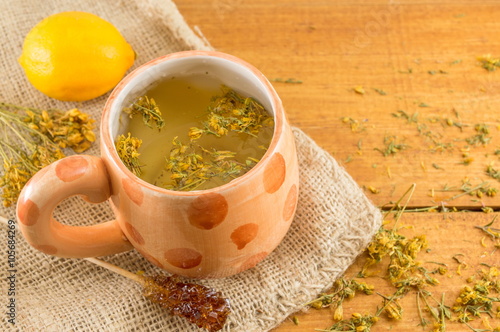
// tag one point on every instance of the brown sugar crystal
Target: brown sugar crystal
(200, 305)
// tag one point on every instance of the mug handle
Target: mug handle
(74, 175)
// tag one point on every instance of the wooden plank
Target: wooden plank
(333, 47)
(447, 235)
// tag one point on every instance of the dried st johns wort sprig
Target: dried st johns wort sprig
(191, 165)
(127, 148)
(148, 109)
(342, 289)
(489, 63)
(477, 299)
(231, 112)
(34, 138)
(356, 323)
(392, 146)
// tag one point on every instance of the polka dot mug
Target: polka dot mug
(209, 233)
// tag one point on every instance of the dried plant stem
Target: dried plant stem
(467, 192)
(198, 304)
(399, 212)
(111, 267)
(4, 220)
(34, 138)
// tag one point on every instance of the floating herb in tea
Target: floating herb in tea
(127, 148)
(148, 109)
(231, 112)
(211, 134)
(191, 166)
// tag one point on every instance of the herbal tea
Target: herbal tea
(193, 133)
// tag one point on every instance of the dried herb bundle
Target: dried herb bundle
(34, 138)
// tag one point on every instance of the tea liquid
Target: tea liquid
(183, 103)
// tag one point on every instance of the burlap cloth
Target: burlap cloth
(334, 221)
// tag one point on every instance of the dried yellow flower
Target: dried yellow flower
(475, 300)
(488, 62)
(127, 149)
(338, 314)
(231, 112)
(73, 129)
(34, 138)
(148, 109)
(394, 310)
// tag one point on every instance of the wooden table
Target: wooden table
(380, 72)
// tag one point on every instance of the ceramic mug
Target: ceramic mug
(203, 234)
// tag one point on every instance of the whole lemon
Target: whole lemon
(75, 56)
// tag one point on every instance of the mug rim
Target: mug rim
(108, 150)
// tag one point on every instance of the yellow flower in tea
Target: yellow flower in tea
(127, 148)
(233, 112)
(148, 109)
(195, 133)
